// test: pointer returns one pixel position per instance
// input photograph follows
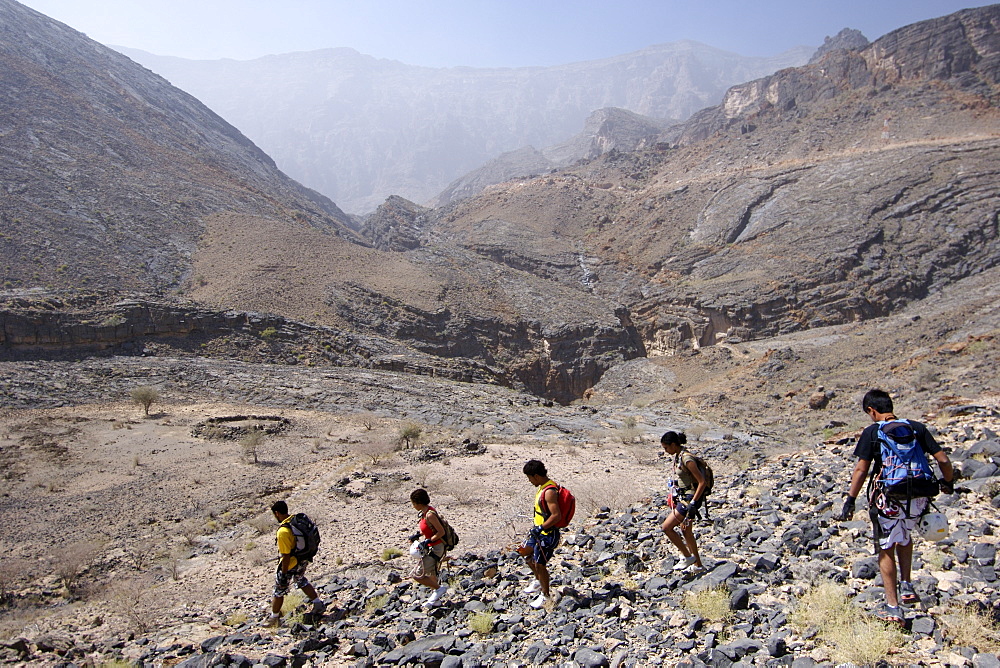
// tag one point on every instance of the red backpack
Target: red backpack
(567, 504)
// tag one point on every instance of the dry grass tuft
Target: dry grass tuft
(376, 603)
(968, 626)
(853, 637)
(291, 608)
(482, 622)
(712, 604)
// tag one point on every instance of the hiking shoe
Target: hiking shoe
(890, 614)
(684, 564)
(534, 587)
(539, 602)
(435, 596)
(906, 594)
(272, 622)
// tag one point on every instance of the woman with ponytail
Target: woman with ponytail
(686, 494)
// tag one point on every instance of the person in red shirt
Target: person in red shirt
(431, 547)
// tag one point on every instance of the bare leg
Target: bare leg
(904, 555)
(887, 567)
(541, 572)
(691, 543)
(670, 528)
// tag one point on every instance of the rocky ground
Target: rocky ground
(161, 554)
(147, 538)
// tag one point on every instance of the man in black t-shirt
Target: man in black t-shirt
(893, 521)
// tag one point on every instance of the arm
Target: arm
(555, 512)
(947, 472)
(857, 481)
(286, 543)
(435, 523)
(858, 477)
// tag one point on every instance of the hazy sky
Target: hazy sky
(480, 33)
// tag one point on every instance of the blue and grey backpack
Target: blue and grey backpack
(905, 472)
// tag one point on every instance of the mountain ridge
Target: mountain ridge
(435, 123)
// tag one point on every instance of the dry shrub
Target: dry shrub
(968, 626)
(145, 396)
(741, 460)
(262, 523)
(425, 477)
(409, 434)
(135, 601)
(12, 572)
(712, 604)
(592, 495)
(628, 432)
(141, 553)
(645, 455)
(465, 494)
(250, 446)
(189, 530)
(369, 421)
(852, 636)
(69, 562)
(376, 452)
(260, 555)
(387, 491)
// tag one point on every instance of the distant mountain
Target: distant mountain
(359, 129)
(605, 130)
(110, 173)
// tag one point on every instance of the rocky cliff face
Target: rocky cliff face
(825, 194)
(70, 327)
(360, 129)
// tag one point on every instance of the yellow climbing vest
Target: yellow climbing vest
(539, 517)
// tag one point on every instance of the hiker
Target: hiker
(686, 494)
(432, 547)
(290, 568)
(894, 517)
(544, 535)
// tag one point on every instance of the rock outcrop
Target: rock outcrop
(605, 130)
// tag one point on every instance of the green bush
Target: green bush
(145, 396)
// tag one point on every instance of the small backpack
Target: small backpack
(306, 537)
(567, 505)
(706, 471)
(905, 473)
(450, 538)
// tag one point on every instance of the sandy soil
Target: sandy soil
(109, 511)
